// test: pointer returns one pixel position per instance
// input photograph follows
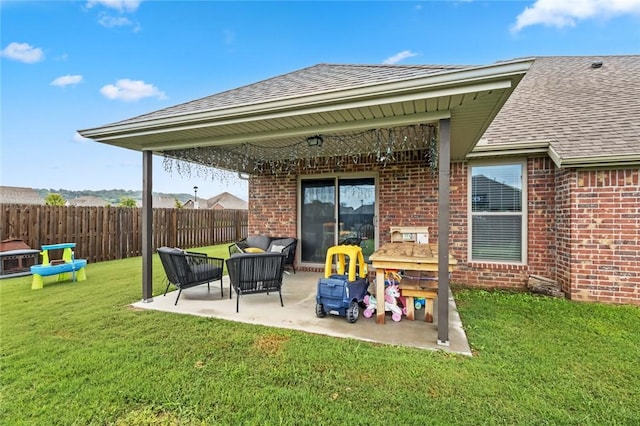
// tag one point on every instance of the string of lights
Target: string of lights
(382, 146)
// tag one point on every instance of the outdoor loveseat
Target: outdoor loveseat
(265, 244)
(251, 273)
(188, 269)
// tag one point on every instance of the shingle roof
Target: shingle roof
(583, 111)
(88, 201)
(163, 202)
(321, 78)
(19, 195)
(227, 201)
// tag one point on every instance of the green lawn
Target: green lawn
(77, 353)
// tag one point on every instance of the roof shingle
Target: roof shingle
(321, 78)
(581, 110)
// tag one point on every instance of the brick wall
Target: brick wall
(605, 223)
(564, 184)
(583, 225)
(541, 217)
(272, 205)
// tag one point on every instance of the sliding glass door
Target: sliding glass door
(318, 215)
(337, 211)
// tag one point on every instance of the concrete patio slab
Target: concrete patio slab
(298, 313)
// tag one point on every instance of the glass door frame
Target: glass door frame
(336, 177)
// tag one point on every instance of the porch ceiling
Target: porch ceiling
(278, 128)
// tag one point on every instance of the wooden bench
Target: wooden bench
(68, 265)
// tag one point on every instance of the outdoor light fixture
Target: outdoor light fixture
(195, 193)
(315, 140)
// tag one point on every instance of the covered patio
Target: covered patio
(328, 119)
(298, 313)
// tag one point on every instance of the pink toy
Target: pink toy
(370, 301)
(391, 295)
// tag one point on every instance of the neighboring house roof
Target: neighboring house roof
(366, 209)
(88, 201)
(227, 201)
(19, 195)
(161, 202)
(582, 110)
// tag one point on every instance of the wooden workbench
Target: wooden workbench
(402, 256)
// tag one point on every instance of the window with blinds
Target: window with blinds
(497, 213)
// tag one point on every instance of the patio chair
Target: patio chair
(255, 273)
(189, 269)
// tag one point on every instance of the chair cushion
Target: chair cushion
(253, 250)
(283, 242)
(260, 241)
(170, 250)
(274, 248)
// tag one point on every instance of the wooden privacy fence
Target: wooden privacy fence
(109, 233)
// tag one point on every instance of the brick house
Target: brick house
(226, 201)
(543, 176)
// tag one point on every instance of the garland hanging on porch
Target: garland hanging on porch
(223, 163)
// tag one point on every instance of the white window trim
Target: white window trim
(524, 212)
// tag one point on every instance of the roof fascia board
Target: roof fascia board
(534, 147)
(396, 121)
(546, 147)
(236, 119)
(629, 160)
(421, 84)
(555, 157)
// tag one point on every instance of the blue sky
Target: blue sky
(69, 65)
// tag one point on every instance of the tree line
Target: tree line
(120, 197)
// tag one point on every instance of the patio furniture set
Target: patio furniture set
(256, 265)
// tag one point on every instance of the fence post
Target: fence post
(173, 232)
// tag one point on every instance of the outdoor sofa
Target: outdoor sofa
(265, 244)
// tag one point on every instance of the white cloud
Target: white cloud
(131, 90)
(399, 57)
(23, 52)
(114, 21)
(79, 138)
(67, 80)
(119, 5)
(565, 13)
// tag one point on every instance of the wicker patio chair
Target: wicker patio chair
(190, 269)
(251, 273)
